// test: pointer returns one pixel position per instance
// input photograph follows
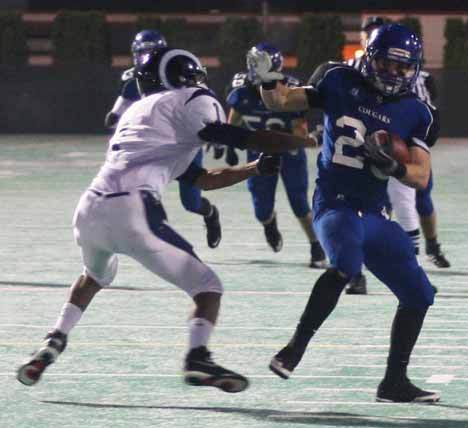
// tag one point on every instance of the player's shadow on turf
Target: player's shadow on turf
(295, 417)
(439, 272)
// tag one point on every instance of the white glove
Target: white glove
(260, 62)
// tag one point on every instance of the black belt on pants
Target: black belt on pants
(109, 195)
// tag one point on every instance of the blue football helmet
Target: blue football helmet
(392, 59)
(145, 42)
(168, 69)
(276, 58)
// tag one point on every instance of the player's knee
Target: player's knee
(300, 206)
(208, 283)
(103, 277)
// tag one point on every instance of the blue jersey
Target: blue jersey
(353, 109)
(245, 98)
(128, 86)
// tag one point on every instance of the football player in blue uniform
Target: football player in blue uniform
(412, 208)
(353, 171)
(248, 110)
(146, 42)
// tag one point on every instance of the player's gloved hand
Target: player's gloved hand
(231, 156)
(222, 133)
(380, 157)
(268, 164)
(218, 151)
(260, 62)
(317, 134)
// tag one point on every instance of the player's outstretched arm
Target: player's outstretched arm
(279, 97)
(259, 141)
(225, 177)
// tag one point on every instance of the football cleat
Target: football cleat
(285, 361)
(436, 256)
(317, 256)
(273, 235)
(213, 228)
(201, 370)
(404, 392)
(357, 285)
(30, 372)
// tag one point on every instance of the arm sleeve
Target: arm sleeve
(427, 131)
(319, 85)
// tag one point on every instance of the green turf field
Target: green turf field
(122, 366)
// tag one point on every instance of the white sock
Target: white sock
(199, 332)
(68, 318)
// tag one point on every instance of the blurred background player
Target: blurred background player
(122, 212)
(412, 207)
(145, 43)
(248, 110)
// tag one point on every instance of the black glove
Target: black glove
(268, 164)
(231, 156)
(222, 133)
(218, 151)
(380, 156)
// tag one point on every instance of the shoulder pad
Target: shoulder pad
(128, 74)
(320, 71)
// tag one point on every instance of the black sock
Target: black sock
(322, 301)
(432, 246)
(405, 331)
(206, 208)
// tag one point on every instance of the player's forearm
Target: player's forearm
(416, 176)
(225, 177)
(276, 142)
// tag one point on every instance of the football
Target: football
(394, 145)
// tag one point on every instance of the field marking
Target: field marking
(150, 344)
(441, 378)
(240, 328)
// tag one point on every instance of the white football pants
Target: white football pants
(133, 225)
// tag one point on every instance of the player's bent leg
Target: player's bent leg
(322, 301)
(167, 254)
(262, 191)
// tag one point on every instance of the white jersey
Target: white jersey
(156, 140)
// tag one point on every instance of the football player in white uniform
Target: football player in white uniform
(146, 42)
(121, 212)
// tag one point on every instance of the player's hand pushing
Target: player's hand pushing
(268, 164)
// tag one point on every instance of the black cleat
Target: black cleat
(31, 371)
(273, 235)
(357, 285)
(436, 256)
(213, 228)
(285, 361)
(404, 392)
(318, 259)
(200, 370)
